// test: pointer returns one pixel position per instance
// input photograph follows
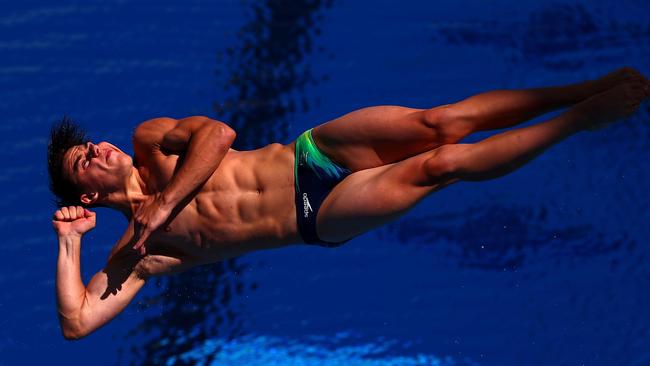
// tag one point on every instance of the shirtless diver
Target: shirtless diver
(191, 200)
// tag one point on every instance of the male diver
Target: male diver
(191, 200)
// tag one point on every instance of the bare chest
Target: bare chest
(247, 204)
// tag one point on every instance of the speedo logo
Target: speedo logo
(306, 207)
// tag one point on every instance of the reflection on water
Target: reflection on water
(264, 81)
(264, 75)
(560, 37)
(498, 237)
(265, 351)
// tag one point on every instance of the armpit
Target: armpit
(157, 264)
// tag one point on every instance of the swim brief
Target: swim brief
(315, 176)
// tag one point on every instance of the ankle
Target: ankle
(581, 116)
(583, 90)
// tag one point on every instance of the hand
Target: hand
(73, 220)
(150, 215)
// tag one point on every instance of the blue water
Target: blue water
(546, 266)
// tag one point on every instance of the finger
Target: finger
(143, 238)
(66, 213)
(140, 241)
(138, 245)
(138, 231)
(59, 215)
(141, 249)
(80, 211)
(88, 213)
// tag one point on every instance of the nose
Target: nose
(93, 149)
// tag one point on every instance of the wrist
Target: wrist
(165, 202)
(69, 247)
(67, 237)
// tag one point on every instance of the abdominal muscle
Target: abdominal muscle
(247, 204)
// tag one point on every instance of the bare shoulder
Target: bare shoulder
(151, 130)
(155, 131)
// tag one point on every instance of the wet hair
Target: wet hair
(63, 135)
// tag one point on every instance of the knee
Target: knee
(448, 121)
(444, 163)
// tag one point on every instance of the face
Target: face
(100, 167)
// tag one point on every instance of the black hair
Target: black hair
(63, 135)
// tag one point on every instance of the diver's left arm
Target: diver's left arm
(202, 143)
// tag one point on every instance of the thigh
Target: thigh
(372, 197)
(374, 136)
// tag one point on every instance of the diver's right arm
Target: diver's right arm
(84, 309)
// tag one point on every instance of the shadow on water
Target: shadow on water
(264, 78)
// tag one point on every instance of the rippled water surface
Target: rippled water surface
(546, 266)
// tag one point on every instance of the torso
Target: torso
(247, 204)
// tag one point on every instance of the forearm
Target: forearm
(70, 289)
(206, 149)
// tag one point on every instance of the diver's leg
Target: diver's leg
(379, 135)
(369, 198)
(504, 152)
(505, 108)
(374, 136)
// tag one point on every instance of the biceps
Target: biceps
(106, 297)
(168, 134)
(178, 138)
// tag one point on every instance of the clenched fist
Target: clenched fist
(73, 220)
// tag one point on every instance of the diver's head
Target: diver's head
(82, 172)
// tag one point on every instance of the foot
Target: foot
(614, 78)
(616, 103)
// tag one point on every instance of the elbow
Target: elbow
(72, 333)
(71, 328)
(71, 336)
(226, 132)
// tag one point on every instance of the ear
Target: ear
(89, 198)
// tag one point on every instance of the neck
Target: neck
(127, 199)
